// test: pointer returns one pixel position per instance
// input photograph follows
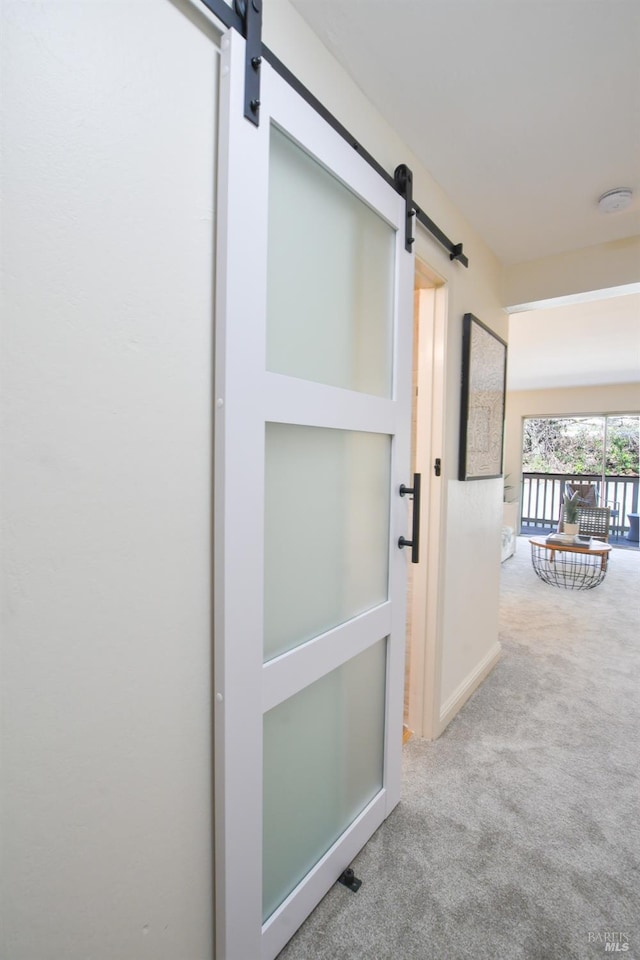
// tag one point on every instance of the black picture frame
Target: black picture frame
(484, 376)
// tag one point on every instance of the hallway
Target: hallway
(517, 835)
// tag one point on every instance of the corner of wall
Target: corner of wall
(465, 690)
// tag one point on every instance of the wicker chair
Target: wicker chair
(587, 494)
(594, 522)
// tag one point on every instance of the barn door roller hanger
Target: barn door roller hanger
(246, 17)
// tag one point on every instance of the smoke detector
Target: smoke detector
(614, 201)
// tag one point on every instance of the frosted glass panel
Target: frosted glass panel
(330, 278)
(323, 763)
(326, 530)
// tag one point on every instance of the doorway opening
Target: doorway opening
(598, 452)
(423, 654)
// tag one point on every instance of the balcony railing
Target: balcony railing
(542, 496)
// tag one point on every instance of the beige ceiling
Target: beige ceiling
(524, 111)
(584, 344)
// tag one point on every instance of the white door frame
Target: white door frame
(425, 641)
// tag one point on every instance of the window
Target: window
(582, 446)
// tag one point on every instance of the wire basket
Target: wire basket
(567, 568)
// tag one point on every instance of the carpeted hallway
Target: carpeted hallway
(518, 833)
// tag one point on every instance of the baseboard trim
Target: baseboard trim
(469, 685)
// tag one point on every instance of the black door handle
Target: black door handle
(414, 543)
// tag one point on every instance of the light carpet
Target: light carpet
(517, 835)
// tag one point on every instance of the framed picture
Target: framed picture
(484, 366)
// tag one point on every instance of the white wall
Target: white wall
(567, 401)
(108, 167)
(605, 266)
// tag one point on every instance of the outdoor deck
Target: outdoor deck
(542, 529)
(542, 496)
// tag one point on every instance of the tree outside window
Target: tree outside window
(600, 446)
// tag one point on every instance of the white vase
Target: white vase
(571, 529)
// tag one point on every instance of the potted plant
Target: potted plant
(571, 512)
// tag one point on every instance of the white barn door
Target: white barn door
(312, 394)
